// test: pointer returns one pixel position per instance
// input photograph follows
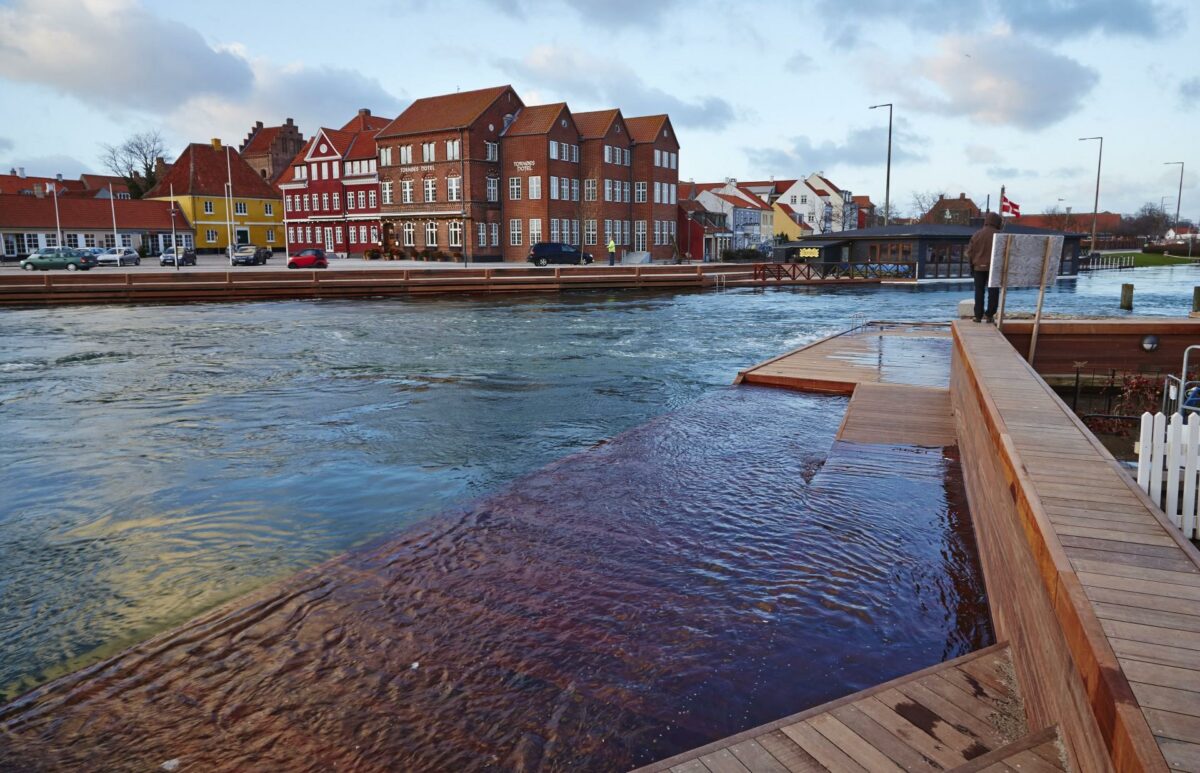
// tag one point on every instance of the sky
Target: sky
(985, 92)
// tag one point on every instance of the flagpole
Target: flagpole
(112, 203)
(229, 205)
(174, 243)
(57, 225)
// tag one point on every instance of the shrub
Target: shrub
(745, 255)
(372, 254)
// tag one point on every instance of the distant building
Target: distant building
(1183, 233)
(960, 211)
(17, 182)
(28, 223)
(269, 149)
(789, 222)
(865, 210)
(703, 234)
(197, 181)
(1107, 223)
(751, 220)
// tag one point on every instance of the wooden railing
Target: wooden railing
(784, 272)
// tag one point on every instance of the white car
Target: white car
(119, 256)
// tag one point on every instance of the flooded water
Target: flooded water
(163, 460)
(712, 570)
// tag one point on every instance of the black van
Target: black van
(544, 253)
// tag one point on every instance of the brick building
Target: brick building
(947, 211)
(480, 175)
(270, 149)
(332, 192)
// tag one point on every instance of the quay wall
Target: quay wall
(1103, 345)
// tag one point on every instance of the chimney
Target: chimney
(21, 172)
(363, 111)
(39, 191)
(13, 171)
(962, 195)
(258, 124)
(216, 143)
(58, 177)
(160, 168)
(288, 122)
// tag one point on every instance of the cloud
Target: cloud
(1189, 91)
(1046, 20)
(981, 154)
(999, 80)
(798, 62)
(97, 52)
(1011, 172)
(862, 147)
(609, 83)
(48, 166)
(637, 14)
(5, 144)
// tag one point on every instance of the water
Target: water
(712, 570)
(164, 459)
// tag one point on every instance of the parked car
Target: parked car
(119, 256)
(544, 253)
(250, 255)
(186, 256)
(59, 257)
(311, 258)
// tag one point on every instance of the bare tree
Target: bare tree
(1058, 219)
(923, 202)
(134, 160)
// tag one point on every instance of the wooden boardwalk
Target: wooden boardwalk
(1127, 583)
(899, 414)
(940, 718)
(879, 352)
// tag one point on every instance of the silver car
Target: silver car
(119, 256)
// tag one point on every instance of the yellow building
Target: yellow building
(789, 222)
(210, 179)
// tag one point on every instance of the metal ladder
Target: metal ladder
(1176, 388)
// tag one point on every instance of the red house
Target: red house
(331, 190)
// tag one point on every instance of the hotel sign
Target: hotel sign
(523, 166)
(425, 168)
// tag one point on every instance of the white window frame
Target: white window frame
(495, 231)
(406, 154)
(208, 207)
(589, 189)
(515, 236)
(514, 189)
(431, 229)
(454, 237)
(429, 188)
(406, 191)
(428, 152)
(481, 235)
(555, 233)
(454, 189)
(553, 150)
(210, 235)
(385, 187)
(409, 231)
(535, 187)
(493, 151)
(535, 230)
(589, 232)
(372, 199)
(553, 188)
(493, 189)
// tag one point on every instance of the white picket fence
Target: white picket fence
(1168, 452)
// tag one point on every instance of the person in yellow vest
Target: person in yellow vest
(612, 252)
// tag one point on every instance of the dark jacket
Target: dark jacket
(979, 249)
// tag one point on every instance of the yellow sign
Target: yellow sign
(810, 252)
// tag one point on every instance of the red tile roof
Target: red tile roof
(595, 123)
(97, 182)
(261, 141)
(646, 128)
(787, 210)
(11, 183)
(820, 191)
(864, 202)
(738, 201)
(19, 211)
(201, 171)
(829, 184)
(779, 186)
(448, 111)
(289, 174)
(536, 119)
(364, 121)
(1076, 222)
(758, 202)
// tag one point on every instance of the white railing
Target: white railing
(1098, 262)
(1167, 466)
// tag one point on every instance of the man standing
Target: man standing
(612, 252)
(979, 252)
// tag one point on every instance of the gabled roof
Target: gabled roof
(201, 171)
(646, 128)
(779, 186)
(538, 119)
(863, 202)
(364, 121)
(829, 184)
(448, 111)
(12, 183)
(753, 197)
(596, 123)
(289, 173)
(19, 211)
(339, 141)
(95, 182)
(261, 141)
(738, 201)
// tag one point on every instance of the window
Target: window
(554, 232)
(803, 199)
(453, 150)
(514, 233)
(553, 150)
(493, 154)
(410, 235)
(372, 198)
(126, 240)
(208, 209)
(575, 232)
(308, 233)
(626, 154)
(639, 192)
(493, 188)
(514, 189)
(406, 192)
(589, 231)
(375, 234)
(362, 199)
(481, 235)
(431, 234)
(454, 190)
(430, 189)
(625, 191)
(608, 190)
(535, 187)
(810, 217)
(625, 240)
(239, 207)
(385, 157)
(291, 233)
(270, 234)
(89, 240)
(535, 230)
(657, 194)
(110, 241)
(268, 209)
(574, 190)
(608, 154)
(657, 160)
(428, 151)
(575, 154)
(349, 200)
(337, 235)
(325, 201)
(657, 233)
(639, 235)
(674, 193)
(353, 235)
(406, 154)
(287, 203)
(793, 198)
(210, 235)
(52, 240)
(495, 229)
(589, 190)
(553, 187)
(337, 200)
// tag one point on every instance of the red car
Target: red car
(310, 258)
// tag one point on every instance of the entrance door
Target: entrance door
(329, 238)
(242, 235)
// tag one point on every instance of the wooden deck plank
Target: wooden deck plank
(756, 759)
(900, 414)
(789, 754)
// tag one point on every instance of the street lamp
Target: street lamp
(1096, 203)
(887, 191)
(1180, 196)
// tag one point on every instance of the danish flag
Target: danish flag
(1009, 207)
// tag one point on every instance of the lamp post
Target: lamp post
(1179, 196)
(1096, 203)
(887, 191)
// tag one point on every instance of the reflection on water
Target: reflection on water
(160, 460)
(712, 570)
